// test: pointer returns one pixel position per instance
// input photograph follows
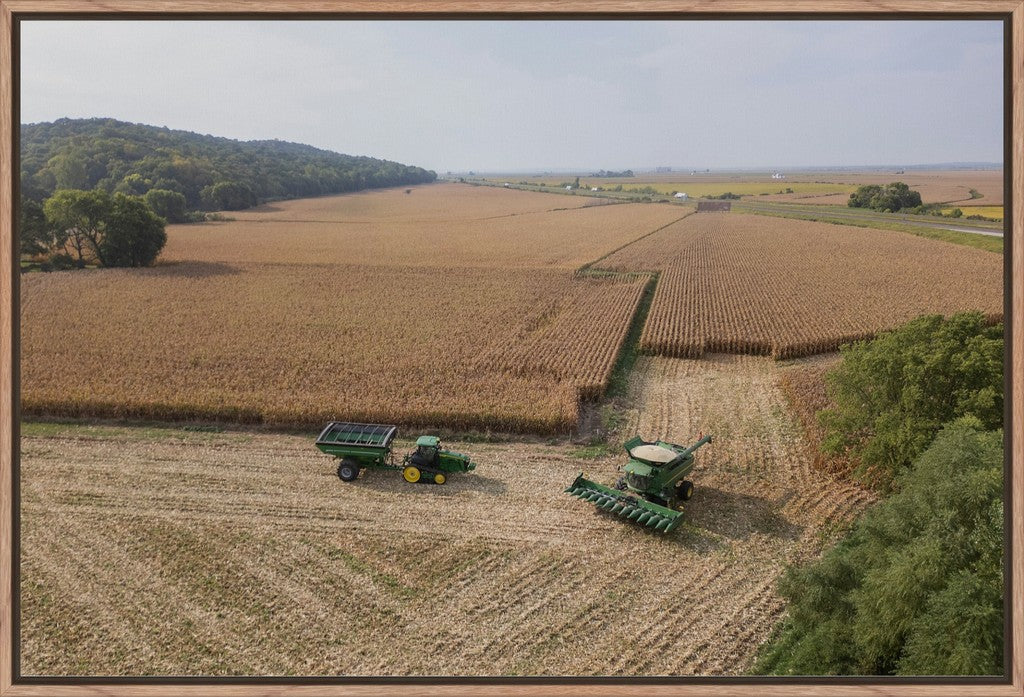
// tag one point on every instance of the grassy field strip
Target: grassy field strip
(987, 242)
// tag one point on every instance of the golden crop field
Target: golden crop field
(748, 284)
(159, 551)
(451, 306)
(292, 344)
(460, 310)
(443, 225)
(990, 212)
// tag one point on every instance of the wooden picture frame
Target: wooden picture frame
(12, 11)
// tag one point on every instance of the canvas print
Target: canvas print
(477, 347)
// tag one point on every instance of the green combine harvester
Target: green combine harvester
(368, 446)
(653, 488)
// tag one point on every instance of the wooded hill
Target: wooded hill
(211, 173)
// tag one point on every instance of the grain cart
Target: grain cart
(360, 446)
(653, 487)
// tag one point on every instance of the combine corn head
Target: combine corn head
(653, 488)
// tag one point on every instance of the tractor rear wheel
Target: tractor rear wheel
(439, 478)
(684, 490)
(348, 471)
(411, 474)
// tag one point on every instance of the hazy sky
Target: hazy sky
(529, 95)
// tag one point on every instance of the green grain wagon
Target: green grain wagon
(368, 446)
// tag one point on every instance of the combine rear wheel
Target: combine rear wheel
(684, 490)
(439, 478)
(411, 474)
(348, 471)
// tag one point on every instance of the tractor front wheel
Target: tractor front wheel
(411, 474)
(439, 478)
(348, 471)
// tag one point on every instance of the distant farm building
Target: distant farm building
(680, 195)
(593, 188)
(714, 206)
(778, 175)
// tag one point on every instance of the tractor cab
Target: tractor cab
(426, 451)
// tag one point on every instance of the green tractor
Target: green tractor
(654, 486)
(360, 446)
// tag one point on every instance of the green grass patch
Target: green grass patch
(77, 429)
(592, 452)
(989, 243)
(618, 382)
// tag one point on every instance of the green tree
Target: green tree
(69, 170)
(916, 587)
(892, 197)
(133, 234)
(169, 205)
(111, 231)
(134, 158)
(77, 218)
(228, 196)
(892, 394)
(134, 185)
(34, 234)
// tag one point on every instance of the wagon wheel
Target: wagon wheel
(439, 478)
(411, 474)
(348, 470)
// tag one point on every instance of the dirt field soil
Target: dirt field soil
(164, 551)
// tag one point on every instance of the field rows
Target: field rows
(300, 345)
(161, 551)
(444, 225)
(749, 284)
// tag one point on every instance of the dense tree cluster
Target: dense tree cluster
(891, 197)
(75, 228)
(916, 587)
(210, 173)
(894, 393)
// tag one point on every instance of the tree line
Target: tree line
(916, 586)
(207, 172)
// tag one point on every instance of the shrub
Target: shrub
(893, 393)
(916, 587)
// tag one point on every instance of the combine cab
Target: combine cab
(362, 446)
(653, 488)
